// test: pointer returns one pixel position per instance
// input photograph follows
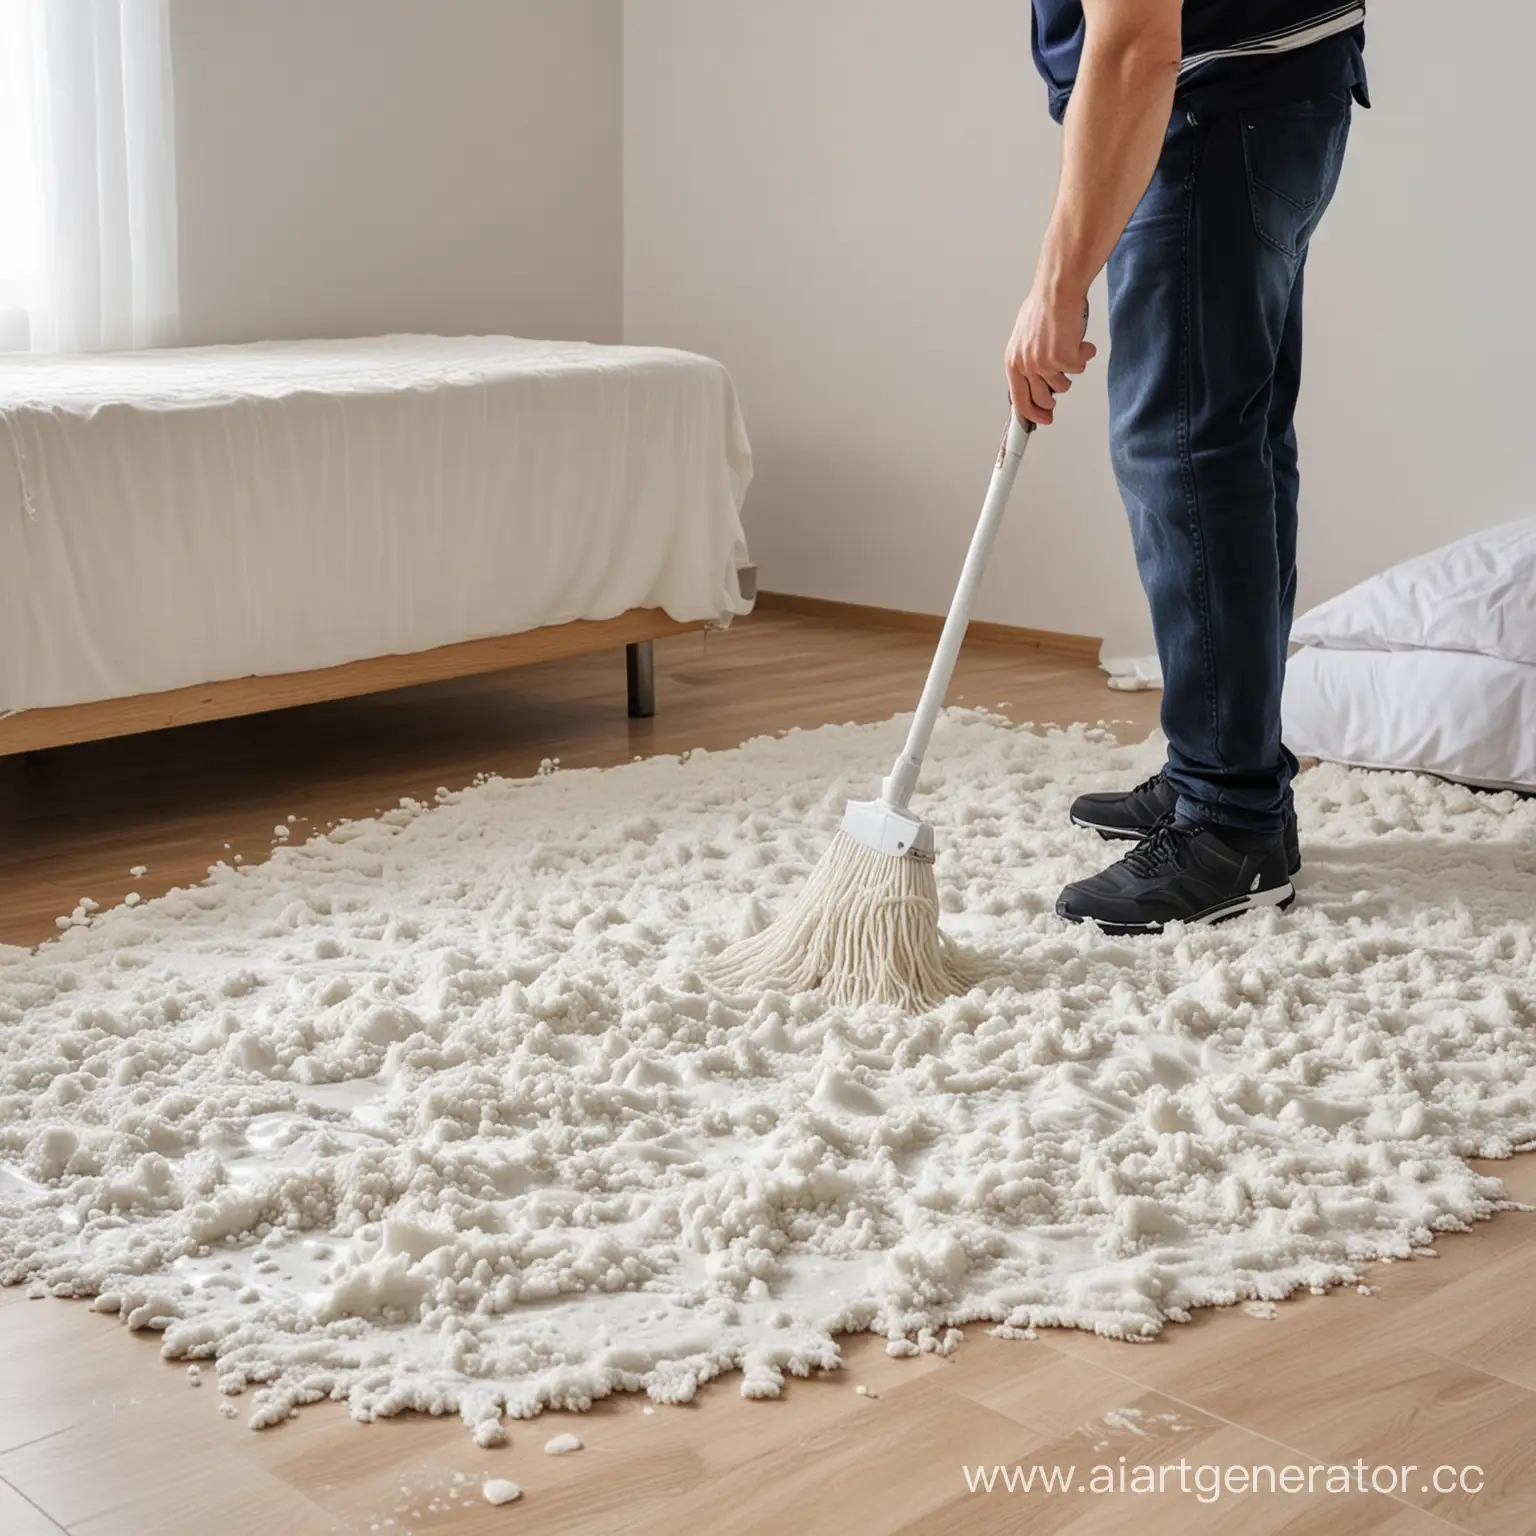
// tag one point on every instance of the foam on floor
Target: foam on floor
(435, 1112)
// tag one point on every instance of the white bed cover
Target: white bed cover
(180, 517)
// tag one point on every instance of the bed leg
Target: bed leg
(640, 670)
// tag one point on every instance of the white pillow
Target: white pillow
(1478, 594)
(1451, 713)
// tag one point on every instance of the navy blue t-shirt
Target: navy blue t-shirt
(1237, 53)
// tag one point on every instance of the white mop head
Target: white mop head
(865, 930)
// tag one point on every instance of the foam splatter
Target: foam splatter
(435, 1111)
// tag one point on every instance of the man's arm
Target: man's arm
(1115, 124)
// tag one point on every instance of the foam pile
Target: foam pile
(437, 1112)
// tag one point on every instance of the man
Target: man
(1202, 145)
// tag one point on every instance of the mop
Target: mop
(866, 927)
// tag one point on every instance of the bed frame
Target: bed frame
(33, 730)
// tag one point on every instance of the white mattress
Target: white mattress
(1453, 713)
(175, 518)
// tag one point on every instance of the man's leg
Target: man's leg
(1204, 365)
(1283, 454)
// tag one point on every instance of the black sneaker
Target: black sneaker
(1179, 873)
(1135, 813)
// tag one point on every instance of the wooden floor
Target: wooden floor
(1436, 1369)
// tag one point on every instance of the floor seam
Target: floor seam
(1481, 1370)
(27, 1499)
(23, 1445)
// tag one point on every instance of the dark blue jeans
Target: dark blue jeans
(1205, 294)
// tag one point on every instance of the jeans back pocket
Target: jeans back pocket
(1292, 155)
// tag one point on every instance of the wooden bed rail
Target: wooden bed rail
(33, 730)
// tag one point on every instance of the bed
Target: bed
(205, 532)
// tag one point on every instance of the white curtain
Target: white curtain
(87, 176)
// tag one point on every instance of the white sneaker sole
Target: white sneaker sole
(1280, 897)
(1110, 834)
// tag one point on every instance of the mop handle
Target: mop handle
(897, 789)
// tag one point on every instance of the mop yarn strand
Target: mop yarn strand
(865, 930)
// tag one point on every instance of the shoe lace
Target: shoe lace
(1162, 848)
(1149, 784)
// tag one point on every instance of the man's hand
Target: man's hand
(1047, 346)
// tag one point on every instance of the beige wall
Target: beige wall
(349, 167)
(842, 202)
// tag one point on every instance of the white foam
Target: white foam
(433, 1112)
